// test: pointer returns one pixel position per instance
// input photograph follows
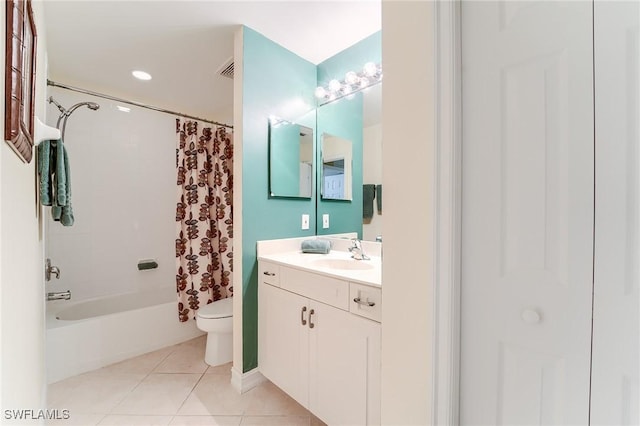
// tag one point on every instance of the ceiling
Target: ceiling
(96, 44)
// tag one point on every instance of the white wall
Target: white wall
(408, 177)
(22, 367)
(372, 173)
(123, 194)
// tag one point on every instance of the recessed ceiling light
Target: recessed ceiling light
(141, 75)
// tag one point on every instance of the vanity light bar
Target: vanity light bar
(353, 82)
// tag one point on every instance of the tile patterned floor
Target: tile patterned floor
(171, 386)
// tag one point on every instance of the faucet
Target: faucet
(356, 250)
(50, 270)
(62, 295)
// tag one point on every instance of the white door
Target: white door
(527, 212)
(283, 340)
(615, 399)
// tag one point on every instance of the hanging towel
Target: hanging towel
(379, 198)
(55, 180)
(368, 194)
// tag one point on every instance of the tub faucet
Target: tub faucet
(61, 295)
(356, 250)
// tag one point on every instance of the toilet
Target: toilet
(217, 320)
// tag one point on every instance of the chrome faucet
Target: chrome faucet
(62, 295)
(50, 270)
(356, 250)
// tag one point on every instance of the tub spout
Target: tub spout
(62, 295)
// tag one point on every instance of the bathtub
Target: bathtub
(85, 335)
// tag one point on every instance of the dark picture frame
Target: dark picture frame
(20, 74)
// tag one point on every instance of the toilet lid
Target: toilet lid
(222, 308)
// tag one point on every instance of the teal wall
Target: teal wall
(343, 118)
(275, 82)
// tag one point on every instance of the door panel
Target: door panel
(615, 397)
(284, 341)
(527, 212)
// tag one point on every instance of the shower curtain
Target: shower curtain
(204, 220)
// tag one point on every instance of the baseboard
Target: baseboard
(243, 382)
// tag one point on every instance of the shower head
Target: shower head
(92, 105)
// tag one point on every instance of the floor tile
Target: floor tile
(206, 421)
(143, 364)
(214, 395)
(92, 393)
(275, 421)
(267, 399)
(187, 357)
(77, 419)
(120, 420)
(158, 394)
(220, 369)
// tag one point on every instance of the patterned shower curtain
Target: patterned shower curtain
(204, 220)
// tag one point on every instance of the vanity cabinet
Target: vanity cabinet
(319, 353)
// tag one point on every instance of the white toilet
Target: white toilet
(217, 320)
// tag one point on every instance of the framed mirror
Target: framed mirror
(337, 168)
(20, 72)
(291, 154)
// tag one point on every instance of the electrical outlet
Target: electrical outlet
(325, 221)
(305, 221)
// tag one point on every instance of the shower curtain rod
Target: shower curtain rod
(138, 104)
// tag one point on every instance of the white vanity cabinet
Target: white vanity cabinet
(319, 353)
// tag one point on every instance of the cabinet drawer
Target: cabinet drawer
(365, 301)
(269, 273)
(317, 287)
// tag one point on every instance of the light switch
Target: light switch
(325, 221)
(305, 221)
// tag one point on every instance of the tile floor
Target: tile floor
(171, 386)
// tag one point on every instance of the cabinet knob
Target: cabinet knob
(270, 274)
(530, 316)
(302, 320)
(311, 325)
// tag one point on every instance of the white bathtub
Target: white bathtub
(85, 335)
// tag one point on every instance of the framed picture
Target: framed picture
(20, 73)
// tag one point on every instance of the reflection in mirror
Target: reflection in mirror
(336, 168)
(372, 159)
(290, 159)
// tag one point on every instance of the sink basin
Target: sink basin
(350, 264)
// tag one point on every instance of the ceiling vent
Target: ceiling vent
(226, 69)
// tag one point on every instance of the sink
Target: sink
(350, 264)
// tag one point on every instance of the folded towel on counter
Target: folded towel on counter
(379, 198)
(368, 194)
(318, 246)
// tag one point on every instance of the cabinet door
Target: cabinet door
(344, 358)
(283, 341)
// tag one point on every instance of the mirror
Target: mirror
(290, 159)
(337, 181)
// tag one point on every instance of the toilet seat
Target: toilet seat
(222, 308)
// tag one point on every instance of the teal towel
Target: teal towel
(316, 246)
(55, 180)
(44, 171)
(368, 194)
(379, 198)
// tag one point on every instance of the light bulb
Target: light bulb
(346, 89)
(364, 82)
(351, 77)
(334, 85)
(370, 69)
(320, 92)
